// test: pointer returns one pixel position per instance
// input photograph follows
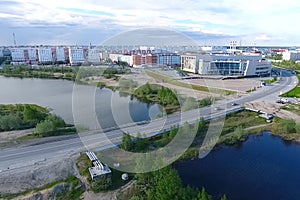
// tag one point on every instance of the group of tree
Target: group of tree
(49, 126)
(162, 95)
(21, 116)
(137, 144)
(165, 184)
(288, 64)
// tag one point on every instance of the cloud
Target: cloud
(220, 18)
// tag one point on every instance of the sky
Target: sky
(214, 22)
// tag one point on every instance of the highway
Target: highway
(18, 157)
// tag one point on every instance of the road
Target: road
(18, 157)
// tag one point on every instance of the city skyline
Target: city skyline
(208, 23)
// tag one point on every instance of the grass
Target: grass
(169, 80)
(295, 92)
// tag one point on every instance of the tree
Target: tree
(127, 143)
(101, 184)
(167, 185)
(44, 127)
(224, 197)
(141, 143)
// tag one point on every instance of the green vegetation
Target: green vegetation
(127, 85)
(275, 57)
(61, 72)
(155, 93)
(51, 72)
(103, 184)
(25, 116)
(170, 80)
(107, 72)
(273, 80)
(291, 65)
(165, 184)
(295, 92)
(21, 116)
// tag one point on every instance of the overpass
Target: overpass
(19, 157)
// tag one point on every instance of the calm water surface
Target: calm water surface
(57, 95)
(264, 167)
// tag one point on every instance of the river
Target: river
(263, 167)
(57, 95)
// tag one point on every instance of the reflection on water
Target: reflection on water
(57, 94)
(264, 167)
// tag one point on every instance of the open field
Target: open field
(295, 92)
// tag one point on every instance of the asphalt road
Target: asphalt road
(18, 157)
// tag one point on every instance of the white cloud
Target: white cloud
(244, 19)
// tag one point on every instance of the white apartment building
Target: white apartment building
(127, 58)
(60, 54)
(93, 56)
(17, 54)
(291, 55)
(76, 55)
(45, 54)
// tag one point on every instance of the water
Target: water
(57, 95)
(264, 167)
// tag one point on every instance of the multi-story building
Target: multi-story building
(169, 59)
(93, 56)
(31, 55)
(128, 59)
(76, 55)
(17, 56)
(226, 64)
(46, 55)
(291, 55)
(60, 54)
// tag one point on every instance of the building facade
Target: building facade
(76, 56)
(168, 59)
(291, 55)
(45, 55)
(226, 65)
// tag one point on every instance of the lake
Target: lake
(263, 167)
(57, 95)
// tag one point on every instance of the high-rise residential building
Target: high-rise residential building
(17, 56)
(45, 54)
(291, 55)
(60, 54)
(76, 55)
(93, 56)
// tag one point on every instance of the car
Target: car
(234, 104)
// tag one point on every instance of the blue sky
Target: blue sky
(268, 22)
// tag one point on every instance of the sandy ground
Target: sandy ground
(37, 175)
(274, 108)
(239, 85)
(11, 135)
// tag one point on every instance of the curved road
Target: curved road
(18, 157)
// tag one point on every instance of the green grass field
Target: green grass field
(295, 92)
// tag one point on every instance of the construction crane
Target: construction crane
(14, 37)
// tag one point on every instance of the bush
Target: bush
(101, 184)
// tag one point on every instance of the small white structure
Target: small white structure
(125, 177)
(98, 170)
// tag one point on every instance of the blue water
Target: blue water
(263, 167)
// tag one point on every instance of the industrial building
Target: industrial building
(226, 64)
(98, 170)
